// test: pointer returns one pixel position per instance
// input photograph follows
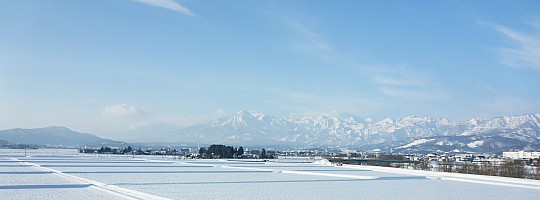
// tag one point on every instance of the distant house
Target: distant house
(521, 155)
(247, 156)
(432, 157)
(255, 152)
(185, 151)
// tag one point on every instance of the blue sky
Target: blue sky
(111, 66)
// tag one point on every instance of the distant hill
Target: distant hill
(55, 136)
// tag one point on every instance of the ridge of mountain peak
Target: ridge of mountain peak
(322, 129)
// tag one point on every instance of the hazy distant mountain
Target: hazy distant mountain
(408, 134)
(148, 133)
(55, 136)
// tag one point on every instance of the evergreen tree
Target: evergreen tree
(263, 153)
(202, 152)
(240, 151)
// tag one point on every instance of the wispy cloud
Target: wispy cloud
(304, 102)
(311, 41)
(395, 81)
(168, 78)
(504, 105)
(169, 4)
(487, 88)
(120, 110)
(408, 83)
(413, 93)
(399, 80)
(526, 50)
(297, 95)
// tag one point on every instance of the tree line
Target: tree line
(511, 168)
(107, 150)
(515, 169)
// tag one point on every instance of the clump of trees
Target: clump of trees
(264, 154)
(217, 151)
(107, 150)
(7, 145)
(220, 151)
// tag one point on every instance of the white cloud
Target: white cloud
(120, 110)
(220, 113)
(526, 52)
(168, 4)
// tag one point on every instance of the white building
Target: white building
(521, 155)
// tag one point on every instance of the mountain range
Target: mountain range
(330, 130)
(408, 134)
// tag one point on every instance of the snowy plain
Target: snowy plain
(65, 174)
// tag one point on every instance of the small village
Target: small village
(528, 157)
(521, 164)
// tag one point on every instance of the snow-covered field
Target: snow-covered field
(68, 175)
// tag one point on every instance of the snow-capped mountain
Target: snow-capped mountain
(342, 129)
